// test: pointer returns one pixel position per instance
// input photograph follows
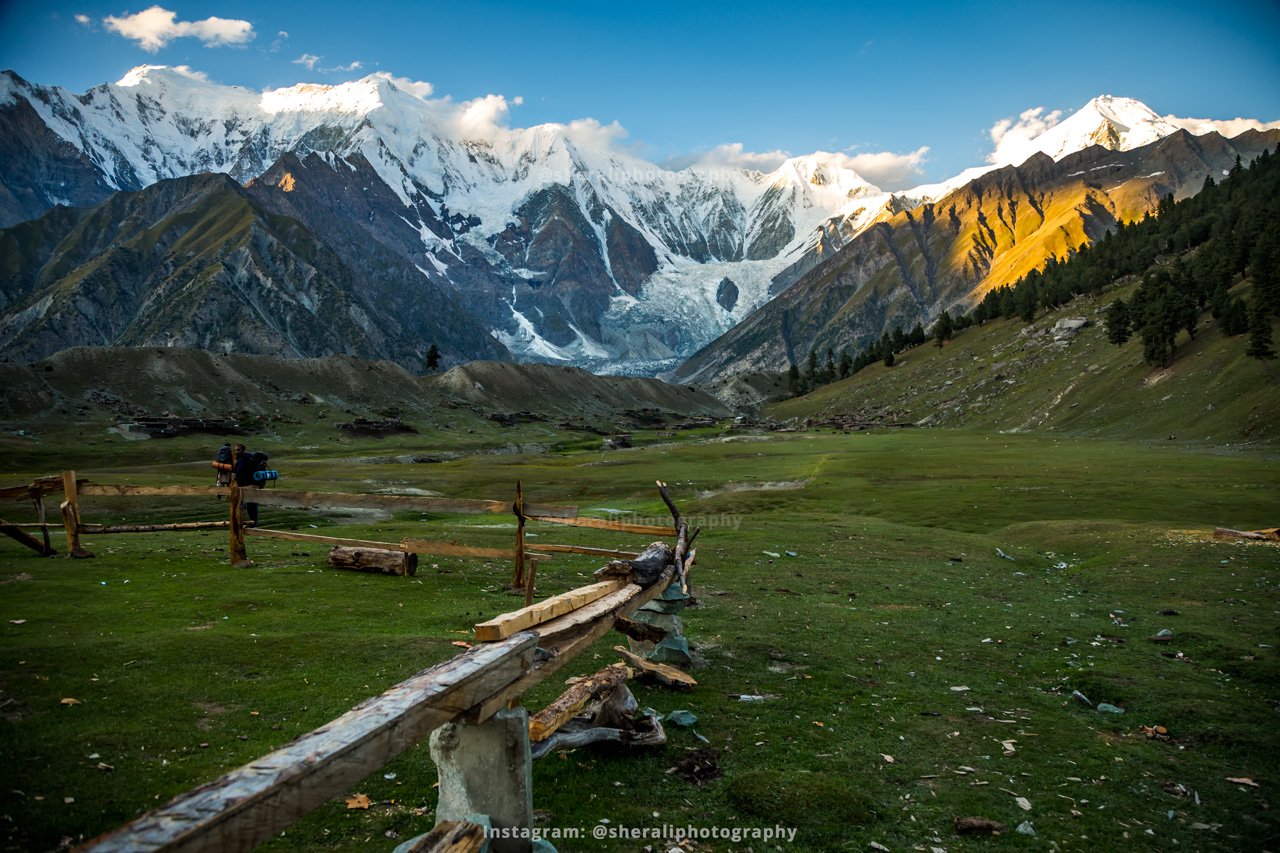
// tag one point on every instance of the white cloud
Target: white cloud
(278, 41)
(1013, 139)
(83, 19)
(418, 88)
(890, 170)
(153, 28)
(1227, 127)
(730, 155)
(188, 71)
(353, 66)
(886, 169)
(307, 59)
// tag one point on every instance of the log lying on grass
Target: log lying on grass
(373, 560)
(18, 535)
(644, 569)
(573, 700)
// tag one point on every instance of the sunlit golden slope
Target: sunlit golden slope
(948, 253)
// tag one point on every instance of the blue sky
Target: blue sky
(688, 77)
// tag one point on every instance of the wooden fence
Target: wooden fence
(255, 802)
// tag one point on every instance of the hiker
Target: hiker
(246, 465)
(223, 462)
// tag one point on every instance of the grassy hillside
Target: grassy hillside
(913, 675)
(1011, 376)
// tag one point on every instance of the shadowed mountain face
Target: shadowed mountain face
(197, 262)
(990, 232)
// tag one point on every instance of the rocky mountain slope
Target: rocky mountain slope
(943, 254)
(197, 262)
(564, 247)
(559, 243)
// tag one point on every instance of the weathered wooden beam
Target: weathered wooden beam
(1270, 534)
(35, 489)
(380, 560)
(517, 578)
(249, 805)
(15, 533)
(334, 500)
(641, 632)
(320, 540)
(605, 524)
(239, 556)
(583, 549)
(662, 672)
(450, 549)
(503, 626)
(95, 529)
(573, 700)
(564, 646)
(120, 490)
(70, 509)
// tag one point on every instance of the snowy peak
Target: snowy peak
(1115, 123)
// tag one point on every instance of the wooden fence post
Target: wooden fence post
(517, 581)
(239, 557)
(70, 509)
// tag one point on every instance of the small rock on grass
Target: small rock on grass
(1025, 828)
(1108, 708)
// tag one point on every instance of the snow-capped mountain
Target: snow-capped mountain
(484, 200)
(557, 240)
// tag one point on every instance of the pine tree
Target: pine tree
(1119, 326)
(433, 358)
(846, 364)
(829, 372)
(1233, 316)
(793, 378)
(943, 329)
(1260, 346)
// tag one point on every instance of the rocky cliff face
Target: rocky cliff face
(196, 262)
(909, 267)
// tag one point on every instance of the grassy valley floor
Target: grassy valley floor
(913, 674)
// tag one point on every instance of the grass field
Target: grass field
(896, 599)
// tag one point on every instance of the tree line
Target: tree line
(1227, 230)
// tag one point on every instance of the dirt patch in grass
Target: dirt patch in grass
(20, 576)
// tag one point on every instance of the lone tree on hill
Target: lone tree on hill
(943, 329)
(433, 358)
(1260, 346)
(1119, 325)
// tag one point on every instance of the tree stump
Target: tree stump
(373, 560)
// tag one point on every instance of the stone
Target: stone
(1108, 708)
(727, 294)
(486, 769)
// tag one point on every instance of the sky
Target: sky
(910, 92)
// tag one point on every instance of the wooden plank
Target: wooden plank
(517, 579)
(335, 500)
(15, 533)
(255, 802)
(320, 540)
(573, 700)
(668, 675)
(119, 490)
(503, 626)
(582, 549)
(564, 647)
(35, 489)
(449, 549)
(605, 606)
(95, 529)
(605, 524)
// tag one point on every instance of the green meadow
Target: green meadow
(912, 675)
